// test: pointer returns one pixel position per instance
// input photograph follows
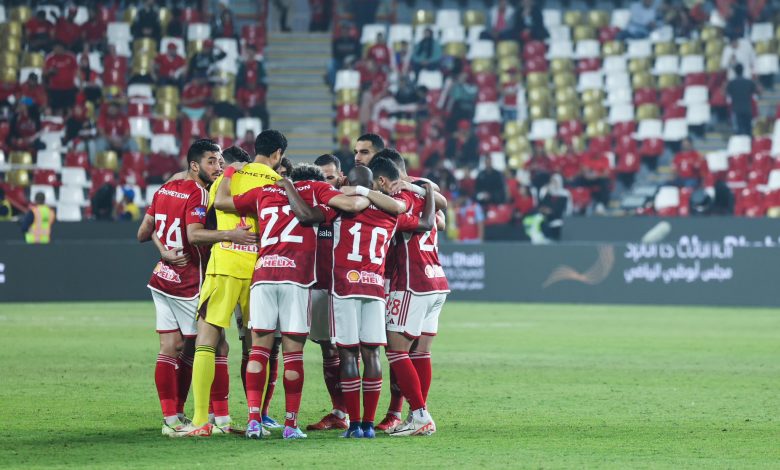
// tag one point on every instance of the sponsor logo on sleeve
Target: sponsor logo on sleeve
(199, 211)
(163, 271)
(365, 277)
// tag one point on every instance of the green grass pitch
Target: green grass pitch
(517, 386)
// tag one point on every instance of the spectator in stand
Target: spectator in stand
(530, 23)
(33, 89)
(462, 146)
(365, 11)
(67, 31)
(740, 92)
(251, 100)
(88, 82)
(441, 174)
(345, 155)
(345, 48)
(470, 220)
(460, 98)
(169, 68)
(114, 132)
(147, 22)
(736, 16)
(103, 202)
(568, 165)
(688, 164)
(176, 26)
(60, 70)
(195, 98)
(407, 92)
(427, 53)
(540, 167)
(251, 69)
(320, 14)
(490, 184)
(643, 20)
(402, 59)
(24, 126)
(595, 175)
(127, 209)
(248, 144)
(80, 132)
(738, 51)
(554, 204)
(380, 53)
(283, 9)
(677, 15)
(6, 210)
(223, 24)
(39, 32)
(370, 73)
(502, 22)
(8, 92)
(201, 62)
(93, 32)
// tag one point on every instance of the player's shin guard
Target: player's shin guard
(407, 378)
(293, 386)
(255, 381)
(220, 389)
(422, 364)
(371, 390)
(165, 379)
(350, 389)
(202, 377)
(396, 405)
(184, 379)
(273, 375)
(331, 370)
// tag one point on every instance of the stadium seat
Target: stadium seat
(675, 130)
(774, 180)
(621, 112)
(72, 195)
(761, 32)
(692, 64)
(668, 64)
(542, 129)
(639, 49)
(667, 201)
(245, 124)
(431, 79)
(400, 32)
(481, 49)
(198, 31)
(77, 159)
(487, 112)
(74, 176)
(49, 159)
(68, 212)
(178, 42)
(587, 49)
(560, 50)
(164, 143)
(767, 64)
(140, 127)
(695, 95)
(698, 114)
(551, 17)
(739, 144)
(347, 80)
(370, 31)
(717, 161)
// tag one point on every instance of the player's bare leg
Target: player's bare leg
(273, 374)
(398, 347)
(394, 408)
(331, 365)
(256, 377)
(420, 355)
(350, 388)
(292, 351)
(165, 378)
(372, 387)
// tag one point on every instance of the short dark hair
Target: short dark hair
(269, 141)
(377, 142)
(383, 166)
(198, 148)
(235, 154)
(40, 198)
(327, 159)
(306, 172)
(360, 176)
(739, 69)
(392, 155)
(287, 165)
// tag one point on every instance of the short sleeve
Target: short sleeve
(196, 208)
(325, 192)
(247, 202)
(408, 222)
(407, 198)
(330, 214)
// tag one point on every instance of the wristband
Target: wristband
(361, 190)
(229, 172)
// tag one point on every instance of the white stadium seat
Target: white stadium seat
(692, 64)
(141, 90)
(67, 212)
(453, 34)
(198, 31)
(25, 72)
(150, 190)
(587, 49)
(614, 64)
(621, 113)
(767, 64)
(49, 160)
(138, 196)
(667, 64)
(774, 180)
(560, 50)
(498, 161)
(74, 176)
(431, 79)
(619, 95)
(118, 32)
(662, 34)
(73, 195)
(762, 32)
(739, 144)
(698, 114)
(487, 112)
(551, 17)
(675, 130)
(165, 143)
(248, 124)
(618, 80)
(474, 34)
(590, 81)
(140, 127)
(559, 33)
(481, 49)
(620, 18)
(370, 31)
(400, 32)
(717, 161)
(542, 129)
(639, 49)
(666, 197)
(696, 94)
(347, 80)
(649, 129)
(447, 18)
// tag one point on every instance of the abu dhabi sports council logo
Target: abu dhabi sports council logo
(365, 277)
(199, 211)
(592, 276)
(164, 271)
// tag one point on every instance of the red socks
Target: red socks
(273, 374)
(371, 390)
(331, 370)
(396, 397)
(184, 378)
(220, 388)
(255, 382)
(293, 362)
(350, 390)
(422, 363)
(407, 378)
(166, 381)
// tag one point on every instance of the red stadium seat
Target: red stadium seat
(107, 14)
(485, 80)
(623, 129)
(498, 214)
(487, 95)
(628, 162)
(570, 129)
(588, 65)
(161, 165)
(651, 147)
(696, 79)
(736, 178)
(668, 212)
(113, 77)
(670, 96)
(674, 111)
(739, 162)
(750, 203)
(486, 129)
(190, 129)
(684, 209)
(164, 126)
(533, 50)
(432, 100)
(223, 141)
(600, 144)
(762, 144)
(580, 199)
(608, 33)
(535, 64)
(100, 177)
(491, 143)
(191, 15)
(77, 159)
(47, 177)
(645, 96)
(347, 111)
(625, 143)
(136, 109)
(133, 161)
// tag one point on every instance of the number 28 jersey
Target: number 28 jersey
(288, 250)
(174, 206)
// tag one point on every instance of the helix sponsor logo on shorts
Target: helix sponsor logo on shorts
(164, 271)
(199, 211)
(274, 261)
(433, 271)
(238, 247)
(176, 194)
(365, 277)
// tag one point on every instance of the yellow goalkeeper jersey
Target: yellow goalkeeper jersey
(228, 258)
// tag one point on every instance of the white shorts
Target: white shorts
(176, 314)
(357, 321)
(283, 306)
(320, 315)
(414, 314)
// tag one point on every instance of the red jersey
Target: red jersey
(65, 68)
(168, 66)
(250, 98)
(200, 93)
(175, 206)
(94, 30)
(117, 126)
(37, 27)
(288, 250)
(380, 53)
(66, 31)
(417, 255)
(360, 245)
(37, 93)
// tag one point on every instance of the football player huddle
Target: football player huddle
(295, 252)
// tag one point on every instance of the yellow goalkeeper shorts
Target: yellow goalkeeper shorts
(219, 296)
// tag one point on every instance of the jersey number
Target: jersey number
(376, 258)
(173, 236)
(427, 236)
(284, 237)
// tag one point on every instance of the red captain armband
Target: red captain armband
(229, 172)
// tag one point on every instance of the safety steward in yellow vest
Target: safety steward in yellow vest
(37, 223)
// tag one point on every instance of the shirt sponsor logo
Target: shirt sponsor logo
(325, 233)
(275, 261)
(176, 194)
(199, 211)
(163, 271)
(365, 277)
(237, 247)
(433, 271)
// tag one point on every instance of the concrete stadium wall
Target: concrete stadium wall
(683, 271)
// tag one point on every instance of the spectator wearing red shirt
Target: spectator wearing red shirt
(169, 68)
(195, 98)
(39, 32)
(568, 164)
(7, 91)
(114, 132)
(540, 166)
(251, 70)
(687, 165)
(93, 32)
(67, 31)
(223, 25)
(251, 100)
(595, 176)
(147, 21)
(33, 89)
(379, 52)
(248, 144)
(470, 220)
(24, 125)
(60, 70)
(369, 73)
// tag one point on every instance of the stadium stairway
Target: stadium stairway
(299, 101)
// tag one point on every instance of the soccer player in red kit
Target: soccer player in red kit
(177, 217)
(285, 270)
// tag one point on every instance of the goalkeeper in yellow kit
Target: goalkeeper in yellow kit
(228, 275)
